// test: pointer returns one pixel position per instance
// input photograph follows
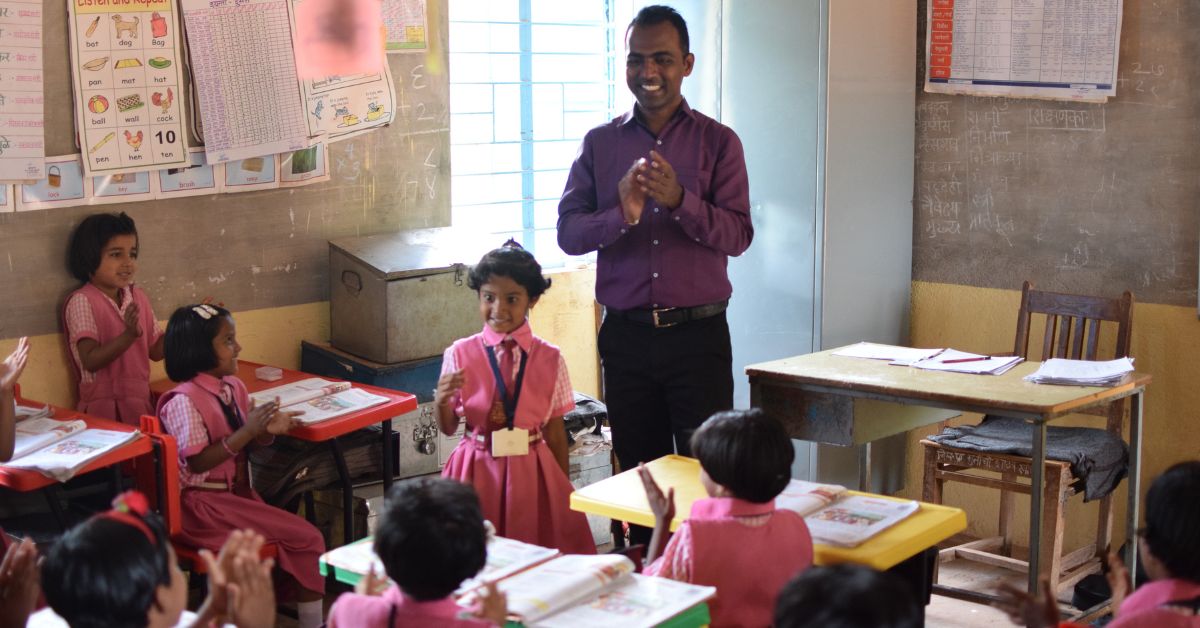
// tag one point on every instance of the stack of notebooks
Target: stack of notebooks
(1081, 372)
(950, 360)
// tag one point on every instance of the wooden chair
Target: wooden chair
(164, 496)
(1072, 330)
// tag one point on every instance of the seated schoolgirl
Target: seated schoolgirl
(431, 537)
(847, 596)
(210, 415)
(1169, 550)
(118, 570)
(735, 540)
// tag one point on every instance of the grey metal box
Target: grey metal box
(403, 296)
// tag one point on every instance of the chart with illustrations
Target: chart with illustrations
(126, 64)
(22, 121)
(245, 73)
(340, 106)
(405, 23)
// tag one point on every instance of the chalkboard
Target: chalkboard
(1075, 197)
(250, 250)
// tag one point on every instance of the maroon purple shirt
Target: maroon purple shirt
(671, 258)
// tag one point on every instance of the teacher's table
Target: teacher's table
(25, 480)
(841, 400)
(398, 403)
(908, 548)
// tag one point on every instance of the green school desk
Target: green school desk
(847, 401)
(397, 403)
(693, 617)
(908, 549)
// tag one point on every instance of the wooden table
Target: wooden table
(25, 480)
(846, 401)
(398, 403)
(907, 549)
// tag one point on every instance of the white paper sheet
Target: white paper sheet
(22, 121)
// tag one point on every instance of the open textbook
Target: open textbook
(601, 591)
(852, 519)
(59, 449)
(837, 518)
(319, 399)
(505, 557)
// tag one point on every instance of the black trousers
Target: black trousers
(660, 384)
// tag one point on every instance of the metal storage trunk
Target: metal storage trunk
(403, 296)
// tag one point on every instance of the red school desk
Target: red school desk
(25, 480)
(327, 431)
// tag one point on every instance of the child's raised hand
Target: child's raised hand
(663, 506)
(449, 384)
(19, 578)
(371, 584)
(251, 591)
(493, 605)
(1118, 580)
(133, 326)
(1029, 610)
(13, 365)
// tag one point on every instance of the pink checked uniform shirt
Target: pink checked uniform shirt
(352, 610)
(121, 390)
(747, 550)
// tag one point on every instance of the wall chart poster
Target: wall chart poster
(22, 122)
(126, 62)
(1029, 49)
(405, 24)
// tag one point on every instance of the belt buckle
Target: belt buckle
(654, 316)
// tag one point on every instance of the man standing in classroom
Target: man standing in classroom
(661, 193)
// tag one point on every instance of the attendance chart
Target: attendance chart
(126, 65)
(245, 72)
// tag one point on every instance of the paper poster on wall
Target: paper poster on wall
(252, 173)
(7, 199)
(127, 70)
(305, 166)
(245, 78)
(63, 186)
(122, 187)
(340, 107)
(22, 120)
(195, 180)
(1032, 49)
(405, 21)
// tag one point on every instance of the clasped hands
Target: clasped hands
(653, 178)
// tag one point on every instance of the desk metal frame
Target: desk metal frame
(822, 374)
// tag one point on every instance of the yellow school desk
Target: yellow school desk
(907, 548)
(848, 401)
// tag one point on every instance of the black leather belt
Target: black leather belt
(669, 316)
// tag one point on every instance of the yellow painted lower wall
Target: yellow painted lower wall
(1166, 340)
(564, 316)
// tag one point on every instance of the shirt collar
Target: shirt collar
(523, 335)
(717, 507)
(630, 117)
(208, 382)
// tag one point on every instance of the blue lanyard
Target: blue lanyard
(510, 403)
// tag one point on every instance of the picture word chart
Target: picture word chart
(22, 118)
(126, 63)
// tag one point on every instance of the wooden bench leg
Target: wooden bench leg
(931, 487)
(1006, 508)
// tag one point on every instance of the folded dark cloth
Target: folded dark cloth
(1097, 457)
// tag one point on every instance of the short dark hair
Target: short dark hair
(89, 239)
(1173, 519)
(187, 344)
(846, 596)
(657, 14)
(432, 536)
(104, 573)
(747, 452)
(514, 262)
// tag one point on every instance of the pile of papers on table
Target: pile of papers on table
(1081, 372)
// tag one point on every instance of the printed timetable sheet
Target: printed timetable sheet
(245, 72)
(1055, 49)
